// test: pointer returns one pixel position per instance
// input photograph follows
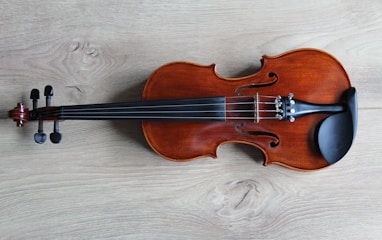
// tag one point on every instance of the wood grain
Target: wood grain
(103, 181)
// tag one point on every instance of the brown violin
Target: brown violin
(299, 109)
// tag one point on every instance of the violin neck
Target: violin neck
(195, 109)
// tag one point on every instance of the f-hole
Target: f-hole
(275, 139)
(273, 76)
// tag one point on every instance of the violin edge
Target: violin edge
(263, 60)
(214, 156)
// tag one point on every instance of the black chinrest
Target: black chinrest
(337, 132)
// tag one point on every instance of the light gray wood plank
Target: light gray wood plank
(103, 181)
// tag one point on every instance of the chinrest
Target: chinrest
(337, 132)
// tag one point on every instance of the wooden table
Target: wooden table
(104, 182)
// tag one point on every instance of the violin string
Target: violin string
(167, 111)
(105, 113)
(83, 107)
(159, 111)
(164, 106)
(263, 96)
(171, 117)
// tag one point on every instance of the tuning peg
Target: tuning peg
(35, 95)
(55, 136)
(40, 136)
(48, 93)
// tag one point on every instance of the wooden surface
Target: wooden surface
(103, 181)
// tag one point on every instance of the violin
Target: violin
(299, 109)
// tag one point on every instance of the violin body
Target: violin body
(311, 75)
(188, 111)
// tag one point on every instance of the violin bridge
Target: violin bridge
(256, 108)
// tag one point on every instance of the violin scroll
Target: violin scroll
(19, 114)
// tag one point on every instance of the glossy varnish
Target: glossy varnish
(311, 75)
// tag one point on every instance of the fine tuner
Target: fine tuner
(299, 109)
